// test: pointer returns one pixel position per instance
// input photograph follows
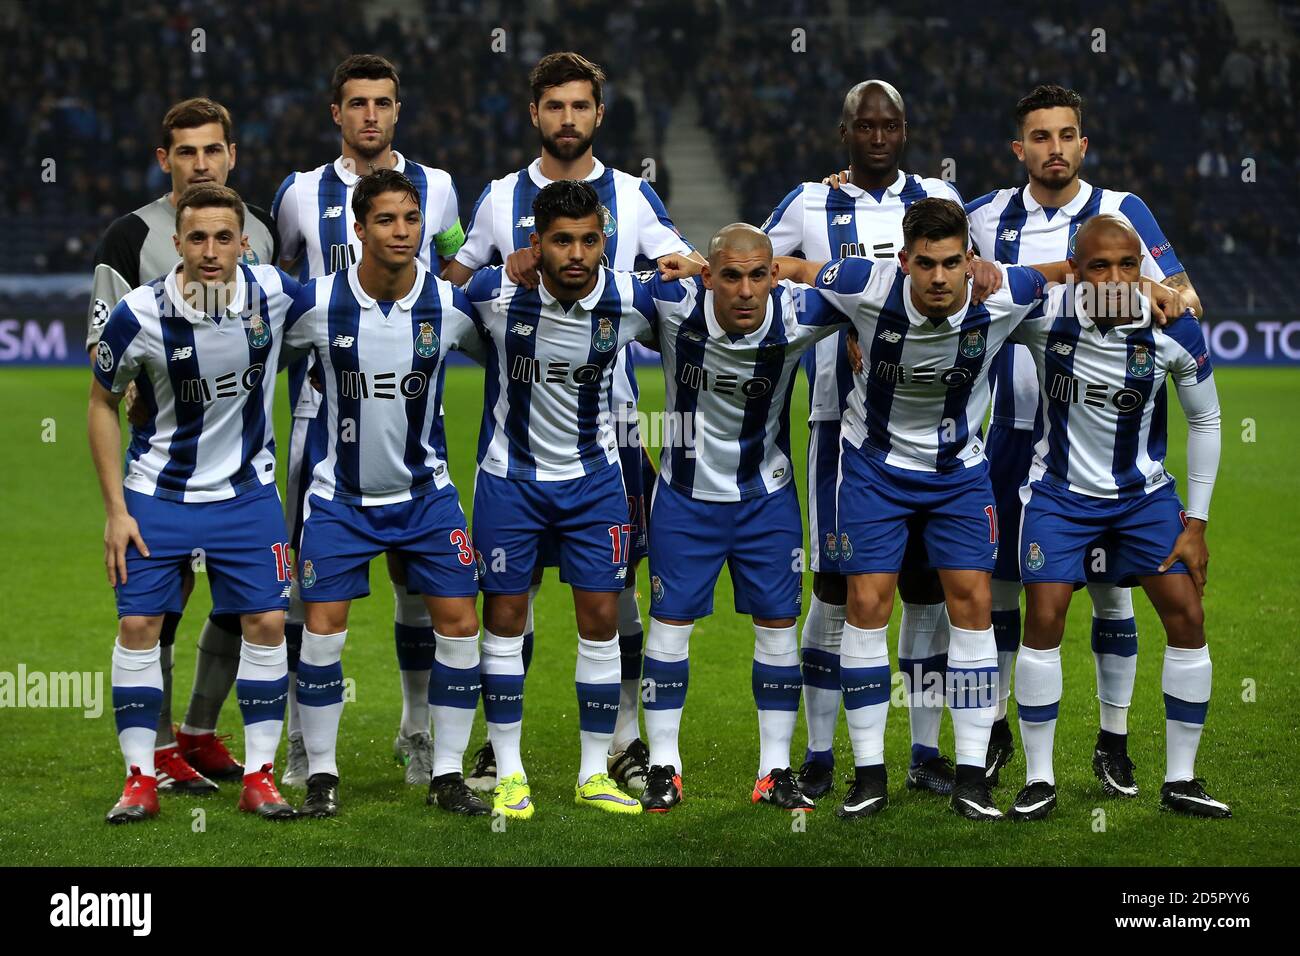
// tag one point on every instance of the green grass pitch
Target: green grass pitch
(62, 771)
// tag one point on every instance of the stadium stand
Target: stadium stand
(1174, 104)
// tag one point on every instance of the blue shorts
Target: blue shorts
(586, 517)
(638, 480)
(1058, 526)
(881, 506)
(239, 543)
(308, 438)
(823, 473)
(1010, 452)
(759, 540)
(429, 533)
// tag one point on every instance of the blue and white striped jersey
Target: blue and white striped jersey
(313, 214)
(382, 366)
(547, 402)
(727, 432)
(921, 399)
(1104, 401)
(1010, 226)
(825, 224)
(637, 226)
(209, 379)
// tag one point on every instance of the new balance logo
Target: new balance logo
(890, 336)
(842, 219)
(520, 328)
(343, 341)
(1060, 348)
(525, 222)
(1008, 235)
(182, 353)
(332, 212)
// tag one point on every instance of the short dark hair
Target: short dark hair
(1044, 97)
(207, 195)
(364, 66)
(555, 69)
(567, 198)
(378, 182)
(193, 113)
(933, 219)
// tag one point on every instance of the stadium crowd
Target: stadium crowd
(1172, 106)
(463, 101)
(1173, 103)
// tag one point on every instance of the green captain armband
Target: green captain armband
(449, 240)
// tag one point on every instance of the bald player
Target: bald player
(731, 339)
(1037, 222)
(1099, 469)
(860, 213)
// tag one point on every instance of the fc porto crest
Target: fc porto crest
(608, 224)
(426, 342)
(604, 338)
(308, 574)
(1141, 363)
(1034, 557)
(972, 344)
(259, 336)
(656, 589)
(832, 546)
(846, 548)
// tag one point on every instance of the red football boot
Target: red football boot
(174, 775)
(261, 797)
(139, 799)
(208, 755)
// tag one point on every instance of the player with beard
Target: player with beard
(567, 110)
(1037, 222)
(313, 211)
(861, 215)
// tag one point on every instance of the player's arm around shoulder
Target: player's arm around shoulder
(301, 325)
(853, 286)
(460, 328)
(489, 293)
(809, 316)
(664, 303)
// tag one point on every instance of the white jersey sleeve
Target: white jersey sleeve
(284, 210)
(785, 225)
(1193, 376)
(656, 235)
(122, 346)
(476, 251)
